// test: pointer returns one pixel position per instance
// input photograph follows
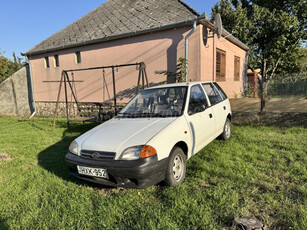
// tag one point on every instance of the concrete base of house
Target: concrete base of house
(48, 109)
(85, 110)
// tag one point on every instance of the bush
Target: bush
(8, 67)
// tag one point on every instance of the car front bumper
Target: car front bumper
(140, 173)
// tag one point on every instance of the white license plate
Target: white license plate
(95, 172)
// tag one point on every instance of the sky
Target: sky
(23, 24)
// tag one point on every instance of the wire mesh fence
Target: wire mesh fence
(288, 89)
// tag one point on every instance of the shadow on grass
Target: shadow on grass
(53, 158)
(3, 224)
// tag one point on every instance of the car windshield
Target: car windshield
(157, 102)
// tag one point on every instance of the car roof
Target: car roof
(180, 84)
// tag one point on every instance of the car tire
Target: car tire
(226, 134)
(176, 168)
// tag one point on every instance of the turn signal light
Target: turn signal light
(148, 151)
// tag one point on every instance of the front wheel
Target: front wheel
(176, 168)
(226, 134)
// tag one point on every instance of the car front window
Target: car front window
(157, 102)
(198, 101)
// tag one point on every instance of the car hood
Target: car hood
(120, 133)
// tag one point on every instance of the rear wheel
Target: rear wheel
(226, 135)
(176, 168)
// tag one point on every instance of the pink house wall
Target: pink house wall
(208, 62)
(159, 51)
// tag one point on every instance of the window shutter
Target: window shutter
(220, 65)
(237, 68)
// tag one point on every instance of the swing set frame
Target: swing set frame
(142, 77)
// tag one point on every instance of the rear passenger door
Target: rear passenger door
(218, 105)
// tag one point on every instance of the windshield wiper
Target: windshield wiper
(159, 115)
(140, 115)
(127, 114)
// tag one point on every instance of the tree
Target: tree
(8, 67)
(294, 68)
(274, 31)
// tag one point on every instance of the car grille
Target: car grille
(97, 155)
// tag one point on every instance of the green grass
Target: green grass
(260, 172)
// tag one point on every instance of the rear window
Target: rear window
(213, 94)
(223, 94)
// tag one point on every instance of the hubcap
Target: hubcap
(227, 130)
(178, 167)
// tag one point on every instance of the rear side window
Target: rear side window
(223, 94)
(198, 100)
(213, 94)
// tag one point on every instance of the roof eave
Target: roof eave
(204, 21)
(111, 38)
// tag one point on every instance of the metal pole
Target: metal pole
(146, 78)
(72, 91)
(57, 101)
(137, 87)
(65, 87)
(143, 83)
(114, 90)
(106, 85)
(102, 67)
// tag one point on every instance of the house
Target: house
(155, 32)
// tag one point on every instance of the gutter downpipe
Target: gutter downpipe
(246, 71)
(187, 48)
(31, 88)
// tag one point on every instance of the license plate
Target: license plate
(95, 172)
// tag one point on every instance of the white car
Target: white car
(151, 138)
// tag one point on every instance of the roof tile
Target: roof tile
(117, 17)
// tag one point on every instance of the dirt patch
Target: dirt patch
(281, 119)
(5, 157)
(273, 105)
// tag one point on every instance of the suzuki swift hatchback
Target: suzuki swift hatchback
(151, 138)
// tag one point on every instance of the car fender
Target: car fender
(167, 138)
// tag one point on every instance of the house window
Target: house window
(56, 60)
(78, 57)
(46, 62)
(237, 69)
(220, 65)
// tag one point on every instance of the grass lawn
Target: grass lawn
(260, 172)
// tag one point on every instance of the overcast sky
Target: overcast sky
(25, 23)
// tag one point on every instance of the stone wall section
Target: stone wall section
(88, 110)
(48, 109)
(15, 98)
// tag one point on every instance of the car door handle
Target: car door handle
(210, 115)
(224, 107)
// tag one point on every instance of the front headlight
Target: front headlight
(136, 152)
(132, 153)
(73, 148)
